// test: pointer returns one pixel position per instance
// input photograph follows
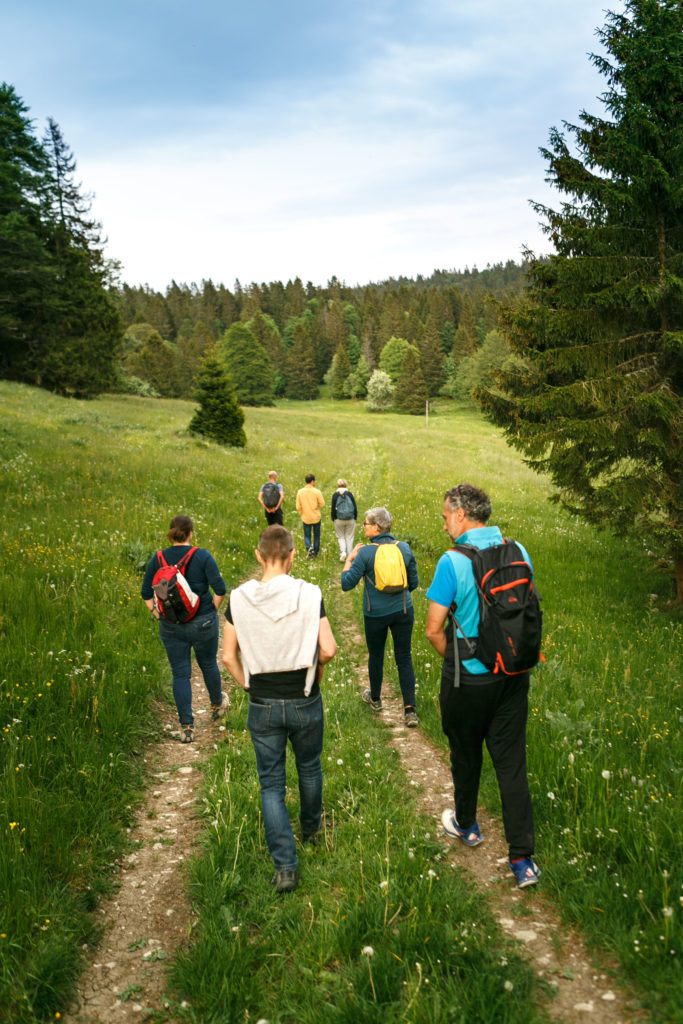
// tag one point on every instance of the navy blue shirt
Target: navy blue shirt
(201, 572)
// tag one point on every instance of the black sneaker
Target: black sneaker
(285, 881)
(187, 734)
(410, 718)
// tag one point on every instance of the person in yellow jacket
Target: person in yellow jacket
(309, 501)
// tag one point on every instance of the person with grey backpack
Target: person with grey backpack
(344, 516)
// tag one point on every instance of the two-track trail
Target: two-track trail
(150, 917)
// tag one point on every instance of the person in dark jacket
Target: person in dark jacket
(384, 612)
(344, 516)
(200, 633)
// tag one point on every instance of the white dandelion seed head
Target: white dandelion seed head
(368, 951)
(605, 773)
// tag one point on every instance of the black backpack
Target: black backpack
(270, 494)
(510, 617)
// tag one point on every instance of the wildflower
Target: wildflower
(668, 911)
(605, 773)
(384, 884)
(368, 951)
(340, 760)
(13, 825)
(571, 758)
(508, 986)
(551, 795)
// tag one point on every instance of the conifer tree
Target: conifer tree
(432, 357)
(411, 393)
(219, 415)
(599, 409)
(302, 378)
(248, 365)
(340, 370)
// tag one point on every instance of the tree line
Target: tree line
(280, 339)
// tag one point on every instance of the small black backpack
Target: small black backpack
(270, 494)
(510, 617)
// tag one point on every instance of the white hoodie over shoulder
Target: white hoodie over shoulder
(277, 625)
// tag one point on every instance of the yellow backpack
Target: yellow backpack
(390, 569)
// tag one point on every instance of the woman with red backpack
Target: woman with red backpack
(183, 589)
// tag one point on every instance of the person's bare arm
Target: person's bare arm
(231, 657)
(434, 631)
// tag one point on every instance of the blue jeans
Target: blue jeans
(316, 536)
(376, 629)
(179, 639)
(271, 723)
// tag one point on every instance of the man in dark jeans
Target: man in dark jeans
(479, 707)
(276, 641)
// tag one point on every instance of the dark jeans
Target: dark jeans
(274, 518)
(271, 723)
(315, 527)
(179, 639)
(493, 713)
(400, 624)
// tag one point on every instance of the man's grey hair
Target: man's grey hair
(475, 503)
(381, 517)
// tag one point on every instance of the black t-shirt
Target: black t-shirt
(279, 685)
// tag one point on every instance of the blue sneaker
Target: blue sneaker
(525, 871)
(470, 836)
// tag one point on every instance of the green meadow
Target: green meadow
(380, 927)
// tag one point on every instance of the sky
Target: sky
(265, 141)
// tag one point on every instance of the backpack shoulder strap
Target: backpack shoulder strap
(161, 560)
(181, 565)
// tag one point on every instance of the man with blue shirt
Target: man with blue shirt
(479, 706)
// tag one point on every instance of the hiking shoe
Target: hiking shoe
(285, 881)
(525, 871)
(342, 558)
(376, 705)
(187, 734)
(219, 710)
(470, 836)
(410, 718)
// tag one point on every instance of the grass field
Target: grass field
(88, 490)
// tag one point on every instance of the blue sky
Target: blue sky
(265, 141)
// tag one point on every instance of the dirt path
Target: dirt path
(149, 918)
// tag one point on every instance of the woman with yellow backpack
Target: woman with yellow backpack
(389, 570)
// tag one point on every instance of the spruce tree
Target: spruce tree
(432, 357)
(411, 393)
(302, 377)
(248, 365)
(219, 416)
(339, 372)
(599, 407)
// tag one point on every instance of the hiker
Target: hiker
(477, 705)
(385, 610)
(277, 639)
(309, 501)
(344, 514)
(271, 496)
(200, 633)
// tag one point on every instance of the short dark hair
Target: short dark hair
(475, 503)
(181, 528)
(310, 477)
(275, 543)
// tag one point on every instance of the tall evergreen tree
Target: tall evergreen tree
(302, 377)
(247, 362)
(432, 357)
(26, 267)
(219, 415)
(339, 372)
(600, 408)
(411, 393)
